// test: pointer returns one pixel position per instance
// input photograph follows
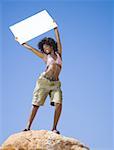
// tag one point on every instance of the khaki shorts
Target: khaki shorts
(45, 87)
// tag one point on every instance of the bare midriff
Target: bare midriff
(53, 71)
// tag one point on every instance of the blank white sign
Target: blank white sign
(33, 26)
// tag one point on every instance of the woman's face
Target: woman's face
(47, 48)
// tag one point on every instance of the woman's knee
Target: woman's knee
(58, 105)
(35, 106)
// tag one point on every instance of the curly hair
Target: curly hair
(49, 41)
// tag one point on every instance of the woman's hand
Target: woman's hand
(55, 24)
(24, 44)
(16, 38)
(56, 28)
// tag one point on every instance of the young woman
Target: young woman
(48, 82)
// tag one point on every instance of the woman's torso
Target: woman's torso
(54, 66)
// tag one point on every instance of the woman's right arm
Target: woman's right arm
(35, 51)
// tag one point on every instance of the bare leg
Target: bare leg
(31, 117)
(58, 109)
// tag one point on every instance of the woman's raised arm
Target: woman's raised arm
(59, 46)
(35, 51)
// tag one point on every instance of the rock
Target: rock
(41, 140)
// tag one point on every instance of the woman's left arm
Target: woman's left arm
(59, 46)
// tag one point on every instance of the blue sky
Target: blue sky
(87, 77)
